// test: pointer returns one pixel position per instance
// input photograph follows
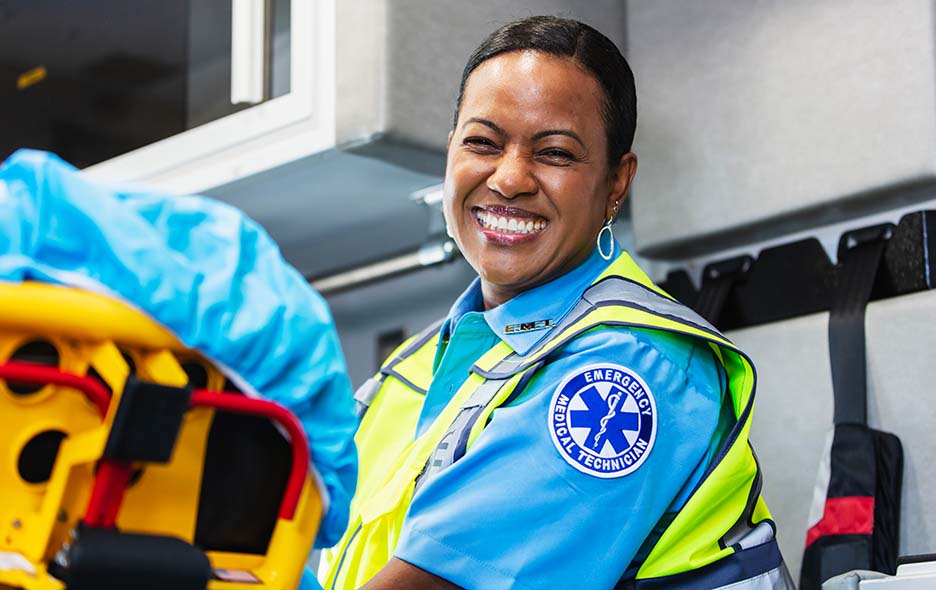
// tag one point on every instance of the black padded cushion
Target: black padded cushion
(147, 422)
(106, 559)
(247, 465)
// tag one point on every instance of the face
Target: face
(527, 183)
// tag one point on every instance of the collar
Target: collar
(524, 321)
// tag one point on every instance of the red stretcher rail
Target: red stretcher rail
(259, 407)
(113, 476)
(36, 374)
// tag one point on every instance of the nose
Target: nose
(512, 177)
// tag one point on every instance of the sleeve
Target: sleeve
(520, 510)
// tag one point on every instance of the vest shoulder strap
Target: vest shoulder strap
(365, 394)
(612, 291)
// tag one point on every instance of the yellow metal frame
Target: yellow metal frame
(91, 331)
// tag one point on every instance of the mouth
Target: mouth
(508, 224)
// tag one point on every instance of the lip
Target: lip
(501, 238)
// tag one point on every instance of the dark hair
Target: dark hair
(590, 49)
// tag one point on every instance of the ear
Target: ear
(621, 177)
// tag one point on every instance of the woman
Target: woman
(567, 425)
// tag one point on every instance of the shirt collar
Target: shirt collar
(528, 318)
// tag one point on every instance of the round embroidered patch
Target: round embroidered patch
(603, 420)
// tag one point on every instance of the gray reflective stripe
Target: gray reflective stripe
(758, 535)
(421, 339)
(445, 452)
(775, 579)
(614, 290)
(366, 393)
(741, 532)
(609, 291)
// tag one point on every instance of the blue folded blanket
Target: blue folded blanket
(209, 274)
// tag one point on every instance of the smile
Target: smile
(507, 224)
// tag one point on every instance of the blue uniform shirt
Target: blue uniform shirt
(515, 512)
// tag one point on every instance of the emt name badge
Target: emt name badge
(603, 420)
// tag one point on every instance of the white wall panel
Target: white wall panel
(755, 117)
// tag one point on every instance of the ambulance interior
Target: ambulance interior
(787, 177)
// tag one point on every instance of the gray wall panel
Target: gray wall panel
(756, 117)
(410, 302)
(794, 411)
(429, 42)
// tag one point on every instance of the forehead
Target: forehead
(534, 89)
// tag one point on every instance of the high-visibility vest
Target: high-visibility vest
(722, 536)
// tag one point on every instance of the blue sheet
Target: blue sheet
(206, 272)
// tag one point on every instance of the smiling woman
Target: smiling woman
(530, 153)
(568, 424)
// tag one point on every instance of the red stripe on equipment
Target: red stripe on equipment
(36, 374)
(848, 515)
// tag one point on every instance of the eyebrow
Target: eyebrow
(491, 124)
(566, 132)
(539, 135)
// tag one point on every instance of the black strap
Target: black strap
(860, 255)
(717, 281)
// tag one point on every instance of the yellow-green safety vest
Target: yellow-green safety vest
(722, 537)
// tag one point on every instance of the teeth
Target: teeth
(509, 225)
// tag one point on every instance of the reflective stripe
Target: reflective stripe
(609, 291)
(776, 579)
(742, 530)
(757, 568)
(763, 533)
(365, 394)
(444, 453)
(454, 442)
(389, 372)
(418, 342)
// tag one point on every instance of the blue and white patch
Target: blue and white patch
(603, 420)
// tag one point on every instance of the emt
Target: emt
(568, 425)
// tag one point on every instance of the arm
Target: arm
(400, 574)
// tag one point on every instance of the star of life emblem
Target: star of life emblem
(603, 420)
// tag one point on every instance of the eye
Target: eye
(480, 144)
(556, 156)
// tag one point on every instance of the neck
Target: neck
(495, 295)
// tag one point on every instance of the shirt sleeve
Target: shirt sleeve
(515, 512)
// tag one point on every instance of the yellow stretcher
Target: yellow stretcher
(122, 463)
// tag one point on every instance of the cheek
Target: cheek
(465, 173)
(578, 199)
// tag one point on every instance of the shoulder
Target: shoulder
(665, 361)
(619, 395)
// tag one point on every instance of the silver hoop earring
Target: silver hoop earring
(610, 231)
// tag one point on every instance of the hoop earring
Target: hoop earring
(610, 254)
